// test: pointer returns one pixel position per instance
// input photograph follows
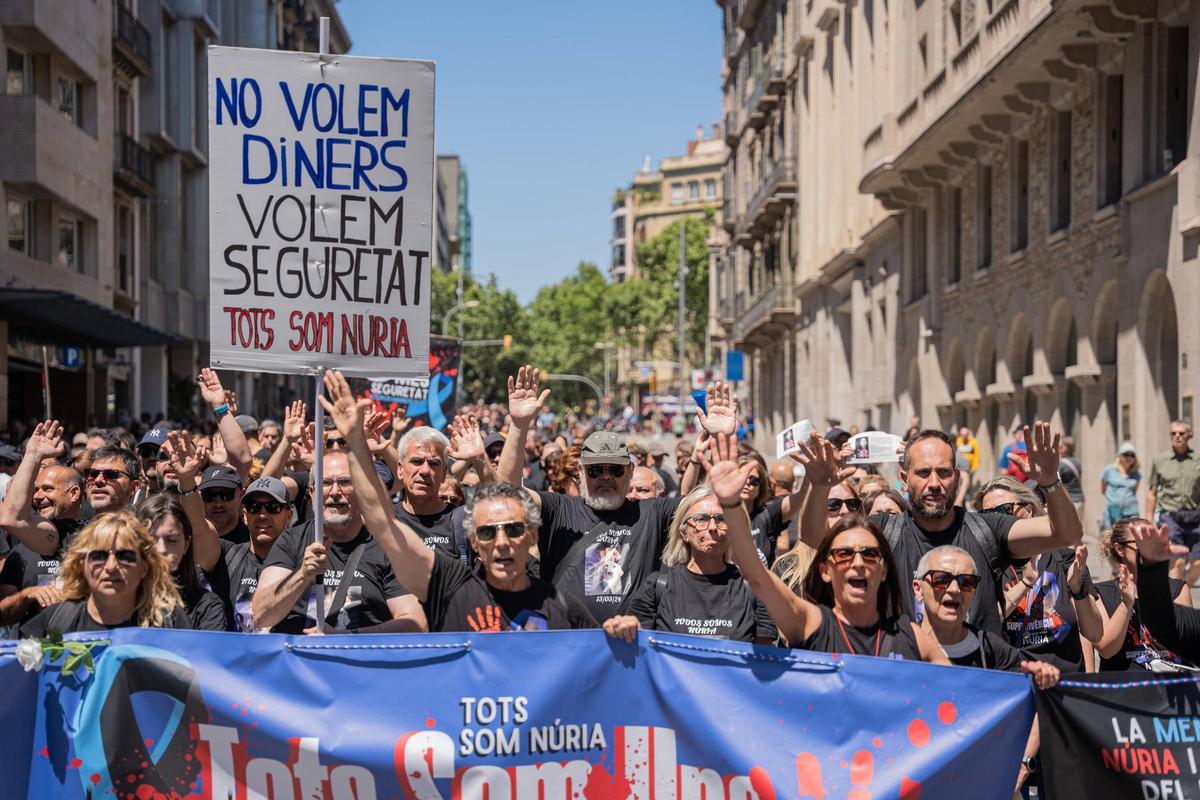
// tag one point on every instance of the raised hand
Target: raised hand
(822, 461)
(211, 389)
(1043, 453)
(524, 402)
(185, 459)
(46, 440)
(218, 455)
(231, 401)
(466, 440)
(293, 421)
(721, 416)
(725, 477)
(1127, 583)
(1075, 571)
(348, 412)
(1154, 544)
(376, 423)
(304, 450)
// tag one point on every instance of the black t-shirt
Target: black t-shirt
(891, 637)
(765, 527)
(5, 547)
(1043, 623)
(24, 568)
(1139, 647)
(985, 650)
(234, 578)
(436, 530)
(460, 600)
(77, 620)
(239, 534)
(613, 561)
(534, 477)
(915, 542)
(721, 606)
(373, 583)
(204, 609)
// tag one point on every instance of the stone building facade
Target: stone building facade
(103, 191)
(996, 217)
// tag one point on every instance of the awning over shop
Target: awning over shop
(61, 318)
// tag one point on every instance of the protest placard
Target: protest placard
(874, 447)
(789, 439)
(320, 208)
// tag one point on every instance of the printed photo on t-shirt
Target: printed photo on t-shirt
(604, 569)
(1036, 619)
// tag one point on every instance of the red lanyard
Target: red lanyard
(850, 645)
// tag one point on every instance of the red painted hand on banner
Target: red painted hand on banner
(486, 620)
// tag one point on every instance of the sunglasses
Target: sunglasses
(843, 556)
(110, 475)
(1121, 545)
(338, 442)
(1007, 508)
(851, 503)
(702, 520)
(940, 580)
(161, 455)
(753, 480)
(513, 530)
(596, 470)
(123, 556)
(210, 495)
(256, 506)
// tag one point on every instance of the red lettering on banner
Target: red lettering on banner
(369, 335)
(1139, 760)
(250, 328)
(314, 332)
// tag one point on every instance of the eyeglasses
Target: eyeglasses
(1122, 544)
(1180, 434)
(1007, 508)
(335, 443)
(212, 495)
(843, 556)
(596, 470)
(851, 503)
(702, 520)
(327, 484)
(513, 530)
(124, 556)
(940, 580)
(753, 480)
(256, 506)
(110, 475)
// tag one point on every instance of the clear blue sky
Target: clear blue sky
(551, 105)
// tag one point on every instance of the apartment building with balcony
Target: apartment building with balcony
(998, 212)
(103, 155)
(452, 216)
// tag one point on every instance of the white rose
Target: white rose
(29, 654)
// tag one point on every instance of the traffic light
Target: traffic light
(507, 342)
(652, 378)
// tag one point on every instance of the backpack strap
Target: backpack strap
(339, 597)
(660, 589)
(894, 530)
(991, 551)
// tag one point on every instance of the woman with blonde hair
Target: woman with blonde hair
(112, 577)
(697, 591)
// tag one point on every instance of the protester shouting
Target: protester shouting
(164, 517)
(112, 577)
(372, 600)
(697, 591)
(851, 602)
(931, 481)
(502, 524)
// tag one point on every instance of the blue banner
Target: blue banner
(570, 715)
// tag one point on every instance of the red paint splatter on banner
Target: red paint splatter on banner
(430, 722)
(947, 713)
(149, 743)
(603, 785)
(862, 772)
(910, 790)
(808, 776)
(877, 742)
(145, 792)
(95, 779)
(760, 780)
(428, 756)
(918, 732)
(45, 751)
(76, 763)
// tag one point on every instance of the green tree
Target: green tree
(499, 313)
(566, 320)
(653, 299)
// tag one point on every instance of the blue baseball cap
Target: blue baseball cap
(154, 436)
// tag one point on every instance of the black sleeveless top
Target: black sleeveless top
(891, 637)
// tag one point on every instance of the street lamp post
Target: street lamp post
(462, 356)
(606, 346)
(452, 311)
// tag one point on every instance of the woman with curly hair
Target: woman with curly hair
(564, 473)
(112, 577)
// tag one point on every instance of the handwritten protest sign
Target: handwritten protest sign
(320, 208)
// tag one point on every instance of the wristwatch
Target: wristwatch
(1029, 764)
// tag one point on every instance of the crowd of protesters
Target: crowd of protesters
(518, 519)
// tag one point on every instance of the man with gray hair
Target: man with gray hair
(646, 483)
(424, 463)
(501, 522)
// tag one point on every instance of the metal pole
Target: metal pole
(317, 476)
(683, 272)
(607, 392)
(46, 384)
